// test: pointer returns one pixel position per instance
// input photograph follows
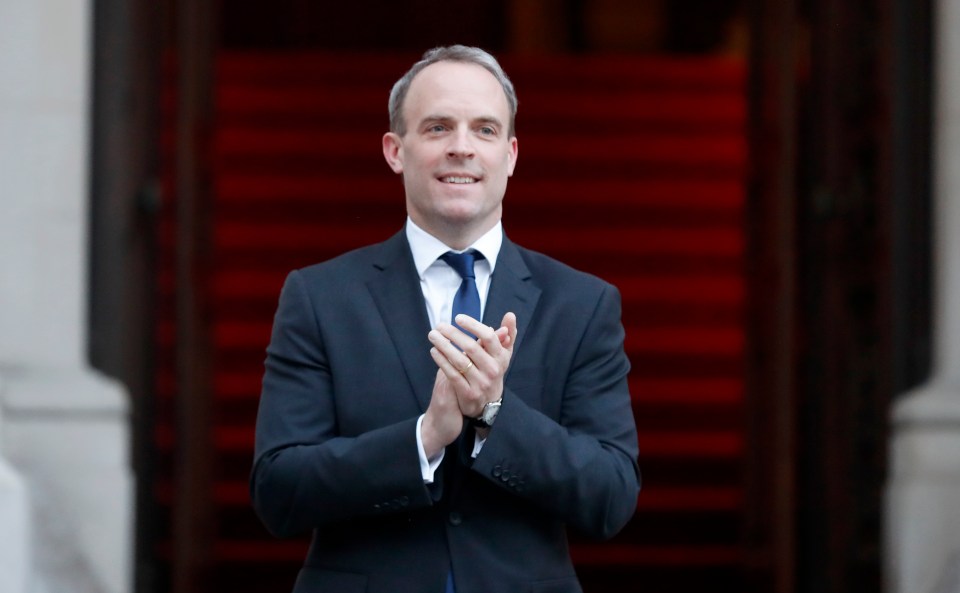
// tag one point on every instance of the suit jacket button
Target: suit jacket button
(455, 518)
(404, 501)
(497, 470)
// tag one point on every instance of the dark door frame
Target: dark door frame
(124, 200)
(839, 278)
(131, 42)
(771, 316)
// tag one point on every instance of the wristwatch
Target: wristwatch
(489, 414)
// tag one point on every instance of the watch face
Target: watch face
(488, 415)
(490, 412)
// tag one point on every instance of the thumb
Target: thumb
(508, 331)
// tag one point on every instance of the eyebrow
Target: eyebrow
(489, 120)
(485, 119)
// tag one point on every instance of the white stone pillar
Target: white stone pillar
(14, 520)
(66, 431)
(923, 512)
(63, 428)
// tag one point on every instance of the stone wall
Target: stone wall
(65, 481)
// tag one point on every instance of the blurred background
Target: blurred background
(754, 176)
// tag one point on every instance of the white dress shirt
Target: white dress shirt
(439, 283)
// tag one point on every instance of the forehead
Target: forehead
(454, 87)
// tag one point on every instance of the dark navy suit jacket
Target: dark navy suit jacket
(348, 372)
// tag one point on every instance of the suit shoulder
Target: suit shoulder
(555, 272)
(353, 264)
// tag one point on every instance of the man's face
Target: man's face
(456, 154)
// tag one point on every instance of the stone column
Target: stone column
(14, 517)
(923, 512)
(63, 428)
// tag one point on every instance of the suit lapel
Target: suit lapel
(399, 298)
(511, 289)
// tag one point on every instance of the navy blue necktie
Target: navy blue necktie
(467, 299)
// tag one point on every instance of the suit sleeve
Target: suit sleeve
(305, 473)
(583, 467)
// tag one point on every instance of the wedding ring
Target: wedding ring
(464, 370)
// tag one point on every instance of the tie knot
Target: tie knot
(462, 262)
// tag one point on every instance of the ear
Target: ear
(513, 151)
(393, 151)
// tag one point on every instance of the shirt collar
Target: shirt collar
(426, 248)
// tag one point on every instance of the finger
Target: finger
(510, 323)
(451, 372)
(485, 334)
(462, 351)
(503, 334)
(459, 384)
(470, 327)
(450, 333)
(461, 348)
(454, 345)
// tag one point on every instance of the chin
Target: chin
(460, 212)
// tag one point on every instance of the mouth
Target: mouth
(458, 179)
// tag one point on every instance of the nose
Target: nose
(461, 145)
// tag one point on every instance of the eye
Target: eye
(436, 128)
(487, 131)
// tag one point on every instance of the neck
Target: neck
(457, 237)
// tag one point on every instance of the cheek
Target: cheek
(415, 168)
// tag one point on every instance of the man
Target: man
(453, 458)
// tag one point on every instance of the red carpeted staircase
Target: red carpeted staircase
(630, 168)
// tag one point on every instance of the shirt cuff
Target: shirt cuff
(428, 467)
(477, 445)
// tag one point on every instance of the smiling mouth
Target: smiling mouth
(457, 180)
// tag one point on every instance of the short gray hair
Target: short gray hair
(452, 53)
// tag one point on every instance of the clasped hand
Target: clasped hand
(470, 374)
